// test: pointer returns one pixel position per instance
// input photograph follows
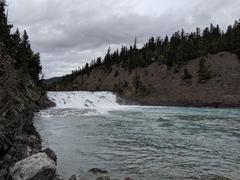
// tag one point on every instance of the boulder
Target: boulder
(51, 154)
(36, 167)
(57, 177)
(128, 178)
(97, 171)
(75, 177)
(103, 178)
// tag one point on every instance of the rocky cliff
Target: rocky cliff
(157, 84)
(19, 99)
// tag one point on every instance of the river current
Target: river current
(91, 130)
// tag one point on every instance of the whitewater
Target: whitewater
(94, 102)
(94, 130)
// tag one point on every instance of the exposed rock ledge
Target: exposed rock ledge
(19, 99)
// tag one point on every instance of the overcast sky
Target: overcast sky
(70, 33)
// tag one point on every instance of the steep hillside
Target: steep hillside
(157, 84)
(19, 99)
(199, 68)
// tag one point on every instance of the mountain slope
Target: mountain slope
(157, 84)
(199, 68)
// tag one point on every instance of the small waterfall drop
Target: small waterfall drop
(99, 102)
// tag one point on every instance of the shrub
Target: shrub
(203, 72)
(139, 88)
(116, 74)
(186, 75)
(121, 86)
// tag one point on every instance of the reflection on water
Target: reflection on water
(143, 142)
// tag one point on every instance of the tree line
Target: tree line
(19, 46)
(173, 51)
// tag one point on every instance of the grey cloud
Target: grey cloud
(69, 33)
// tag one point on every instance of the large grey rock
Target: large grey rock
(75, 177)
(103, 178)
(128, 178)
(57, 177)
(97, 171)
(51, 154)
(36, 167)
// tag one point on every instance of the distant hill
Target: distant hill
(51, 81)
(201, 68)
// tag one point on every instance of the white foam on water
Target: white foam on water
(93, 102)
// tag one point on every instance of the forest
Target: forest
(173, 51)
(18, 46)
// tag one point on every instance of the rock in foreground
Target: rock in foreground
(36, 167)
(97, 171)
(75, 177)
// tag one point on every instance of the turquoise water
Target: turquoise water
(145, 142)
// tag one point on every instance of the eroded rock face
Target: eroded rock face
(19, 99)
(36, 167)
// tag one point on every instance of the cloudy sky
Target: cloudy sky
(70, 33)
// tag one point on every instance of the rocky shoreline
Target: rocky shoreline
(20, 98)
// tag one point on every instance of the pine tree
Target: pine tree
(34, 67)
(15, 40)
(19, 48)
(4, 27)
(176, 50)
(135, 44)
(25, 52)
(203, 72)
(99, 61)
(186, 75)
(107, 59)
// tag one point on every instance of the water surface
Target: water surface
(89, 130)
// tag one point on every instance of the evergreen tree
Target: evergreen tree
(203, 72)
(186, 74)
(19, 48)
(34, 66)
(99, 61)
(174, 51)
(107, 59)
(25, 52)
(4, 27)
(135, 44)
(15, 40)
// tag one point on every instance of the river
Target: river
(91, 130)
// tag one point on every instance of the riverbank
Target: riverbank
(152, 101)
